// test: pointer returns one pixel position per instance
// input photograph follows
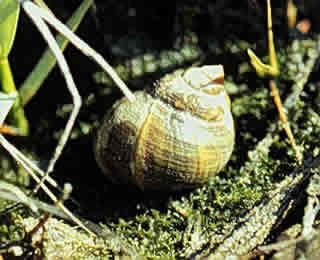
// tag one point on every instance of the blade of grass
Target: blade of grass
(9, 13)
(47, 62)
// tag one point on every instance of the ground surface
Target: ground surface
(262, 174)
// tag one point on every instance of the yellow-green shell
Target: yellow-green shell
(173, 137)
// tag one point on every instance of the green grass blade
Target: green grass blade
(9, 14)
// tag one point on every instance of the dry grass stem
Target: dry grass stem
(283, 118)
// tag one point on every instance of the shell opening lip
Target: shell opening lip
(213, 73)
(218, 80)
(214, 82)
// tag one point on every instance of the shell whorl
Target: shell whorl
(175, 138)
(199, 91)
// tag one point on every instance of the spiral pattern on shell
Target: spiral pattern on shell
(173, 137)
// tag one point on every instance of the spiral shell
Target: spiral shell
(174, 136)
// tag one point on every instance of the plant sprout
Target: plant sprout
(272, 71)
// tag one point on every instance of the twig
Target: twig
(44, 30)
(47, 61)
(283, 118)
(14, 153)
(9, 130)
(272, 49)
(272, 70)
(80, 44)
(45, 217)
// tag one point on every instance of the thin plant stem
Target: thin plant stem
(42, 4)
(47, 61)
(76, 99)
(9, 130)
(31, 165)
(17, 156)
(81, 45)
(274, 89)
(272, 49)
(272, 71)
(283, 118)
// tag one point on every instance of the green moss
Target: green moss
(205, 217)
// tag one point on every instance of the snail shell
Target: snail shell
(175, 136)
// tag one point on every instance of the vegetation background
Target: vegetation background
(144, 40)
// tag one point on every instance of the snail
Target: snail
(174, 136)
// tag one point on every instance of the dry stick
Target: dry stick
(43, 206)
(34, 13)
(82, 46)
(9, 130)
(31, 165)
(39, 225)
(37, 14)
(44, 30)
(15, 154)
(274, 90)
(272, 49)
(76, 99)
(28, 165)
(47, 62)
(283, 118)
(47, 215)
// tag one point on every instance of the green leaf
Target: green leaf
(263, 70)
(9, 14)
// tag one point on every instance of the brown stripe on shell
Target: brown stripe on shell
(164, 159)
(171, 140)
(214, 72)
(117, 152)
(161, 159)
(198, 77)
(116, 138)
